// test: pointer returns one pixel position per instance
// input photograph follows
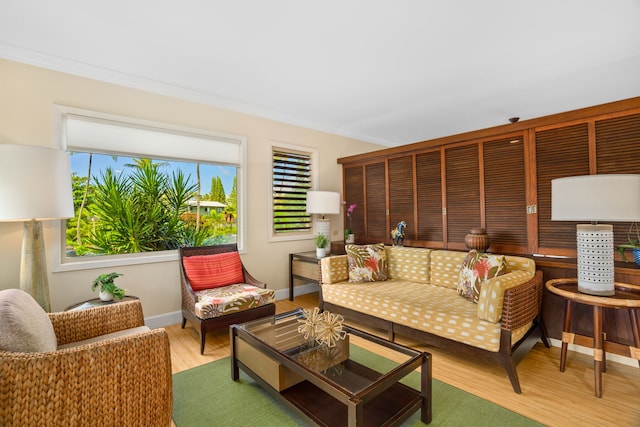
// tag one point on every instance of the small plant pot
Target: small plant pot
(321, 252)
(350, 238)
(105, 296)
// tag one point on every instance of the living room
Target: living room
(33, 86)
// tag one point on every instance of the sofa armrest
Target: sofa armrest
(492, 294)
(522, 303)
(334, 269)
(79, 325)
(126, 378)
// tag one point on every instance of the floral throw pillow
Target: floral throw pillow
(367, 263)
(476, 268)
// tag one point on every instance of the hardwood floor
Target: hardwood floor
(548, 396)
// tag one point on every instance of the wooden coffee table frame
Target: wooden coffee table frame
(385, 402)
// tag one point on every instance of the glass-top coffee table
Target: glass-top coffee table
(328, 386)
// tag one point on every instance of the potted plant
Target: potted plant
(348, 232)
(321, 245)
(633, 243)
(108, 289)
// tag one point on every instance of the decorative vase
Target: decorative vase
(636, 256)
(477, 239)
(321, 252)
(351, 238)
(105, 296)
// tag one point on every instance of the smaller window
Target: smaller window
(292, 177)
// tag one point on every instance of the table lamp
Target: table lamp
(596, 198)
(323, 203)
(35, 185)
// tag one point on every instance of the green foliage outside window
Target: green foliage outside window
(143, 210)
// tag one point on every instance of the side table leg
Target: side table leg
(566, 331)
(633, 315)
(598, 352)
(290, 277)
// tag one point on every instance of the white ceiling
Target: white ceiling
(389, 72)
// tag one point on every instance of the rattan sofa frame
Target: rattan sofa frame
(189, 298)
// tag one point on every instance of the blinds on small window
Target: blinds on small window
(291, 181)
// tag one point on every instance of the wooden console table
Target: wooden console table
(627, 297)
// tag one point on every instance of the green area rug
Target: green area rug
(206, 396)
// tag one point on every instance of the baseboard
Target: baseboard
(162, 320)
(589, 351)
(297, 291)
(166, 319)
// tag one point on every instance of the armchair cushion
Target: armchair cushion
(231, 299)
(213, 271)
(26, 327)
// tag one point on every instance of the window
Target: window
(142, 189)
(292, 176)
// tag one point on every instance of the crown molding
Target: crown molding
(107, 75)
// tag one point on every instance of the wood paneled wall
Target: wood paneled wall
(500, 179)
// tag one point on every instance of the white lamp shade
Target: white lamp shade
(614, 197)
(323, 202)
(35, 183)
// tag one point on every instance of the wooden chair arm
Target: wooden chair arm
(522, 303)
(250, 280)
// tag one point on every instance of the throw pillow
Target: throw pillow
(476, 268)
(26, 327)
(213, 271)
(367, 263)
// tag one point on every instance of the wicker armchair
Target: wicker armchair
(122, 381)
(263, 305)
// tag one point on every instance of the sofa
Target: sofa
(420, 295)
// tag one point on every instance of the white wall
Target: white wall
(27, 97)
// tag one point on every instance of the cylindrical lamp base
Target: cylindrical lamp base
(323, 226)
(595, 259)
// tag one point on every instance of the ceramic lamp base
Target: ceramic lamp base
(595, 259)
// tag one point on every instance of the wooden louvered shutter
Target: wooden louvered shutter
(429, 196)
(505, 195)
(618, 151)
(376, 203)
(354, 194)
(463, 193)
(401, 207)
(560, 152)
(291, 174)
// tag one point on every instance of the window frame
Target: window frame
(272, 236)
(60, 262)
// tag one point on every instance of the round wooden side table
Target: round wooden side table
(626, 297)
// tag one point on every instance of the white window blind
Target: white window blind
(94, 135)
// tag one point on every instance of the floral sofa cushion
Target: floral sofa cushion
(367, 263)
(219, 301)
(476, 268)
